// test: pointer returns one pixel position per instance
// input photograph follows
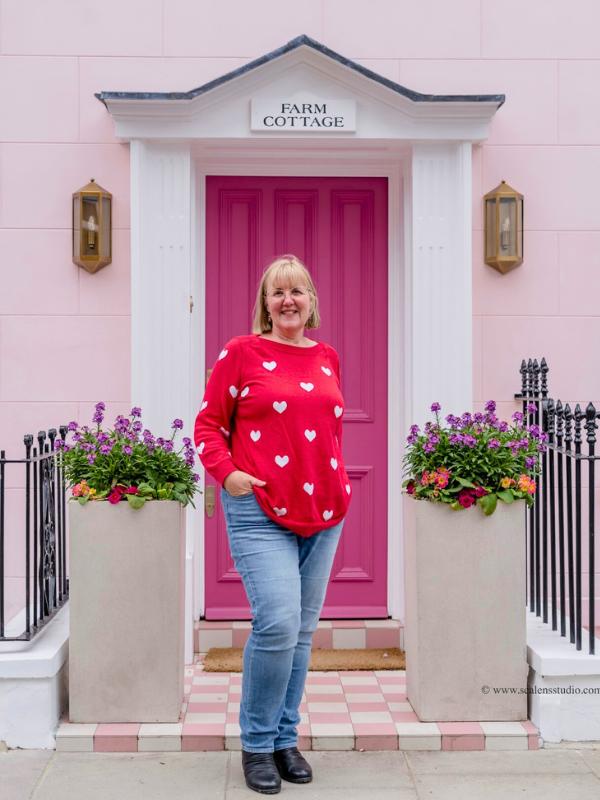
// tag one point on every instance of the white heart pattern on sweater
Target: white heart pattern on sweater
(309, 488)
(222, 354)
(201, 448)
(338, 411)
(327, 515)
(348, 488)
(281, 512)
(204, 404)
(308, 387)
(327, 371)
(281, 461)
(270, 365)
(224, 431)
(245, 391)
(333, 462)
(233, 391)
(280, 407)
(310, 435)
(255, 435)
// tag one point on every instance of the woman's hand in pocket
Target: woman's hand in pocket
(239, 483)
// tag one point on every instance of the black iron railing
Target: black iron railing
(555, 524)
(40, 531)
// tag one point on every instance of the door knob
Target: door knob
(209, 500)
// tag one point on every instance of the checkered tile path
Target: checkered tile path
(340, 711)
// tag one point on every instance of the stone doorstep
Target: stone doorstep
(363, 711)
(337, 633)
(72, 737)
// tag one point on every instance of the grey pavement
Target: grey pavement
(565, 773)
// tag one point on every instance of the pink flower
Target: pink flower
(116, 494)
(480, 491)
(410, 487)
(466, 498)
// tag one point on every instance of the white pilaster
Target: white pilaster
(440, 280)
(161, 203)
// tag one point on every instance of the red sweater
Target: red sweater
(275, 411)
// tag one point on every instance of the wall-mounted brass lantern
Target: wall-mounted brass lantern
(92, 227)
(503, 215)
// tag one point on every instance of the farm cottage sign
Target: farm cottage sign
(303, 115)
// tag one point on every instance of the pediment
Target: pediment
(298, 81)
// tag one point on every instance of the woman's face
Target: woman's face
(289, 306)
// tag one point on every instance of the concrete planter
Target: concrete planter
(127, 612)
(465, 612)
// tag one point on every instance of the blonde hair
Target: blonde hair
(287, 269)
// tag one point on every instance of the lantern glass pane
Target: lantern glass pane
(490, 228)
(520, 227)
(508, 227)
(105, 229)
(90, 225)
(76, 227)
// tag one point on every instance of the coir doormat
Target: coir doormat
(229, 659)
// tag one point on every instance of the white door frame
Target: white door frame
(297, 166)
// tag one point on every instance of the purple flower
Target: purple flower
(100, 406)
(137, 426)
(453, 421)
(412, 439)
(77, 437)
(503, 426)
(490, 406)
(530, 462)
(91, 459)
(102, 437)
(466, 419)
(72, 426)
(517, 416)
(168, 446)
(127, 450)
(195, 477)
(534, 430)
(469, 440)
(160, 441)
(105, 449)
(478, 417)
(98, 417)
(435, 407)
(456, 438)
(433, 439)
(493, 444)
(190, 460)
(135, 412)
(59, 444)
(187, 441)
(177, 424)
(532, 408)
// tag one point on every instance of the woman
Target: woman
(270, 431)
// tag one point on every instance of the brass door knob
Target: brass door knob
(209, 500)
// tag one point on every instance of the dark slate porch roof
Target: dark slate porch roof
(294, 44)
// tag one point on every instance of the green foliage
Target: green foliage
(474, 459)
(124, 464)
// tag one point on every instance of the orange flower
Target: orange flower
(506, 482)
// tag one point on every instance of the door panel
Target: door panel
(338, 227)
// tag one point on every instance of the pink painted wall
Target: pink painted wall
(64, 334)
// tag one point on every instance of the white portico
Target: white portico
(303, 110)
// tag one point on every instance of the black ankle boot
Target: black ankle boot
(261, 773)
(292, 765)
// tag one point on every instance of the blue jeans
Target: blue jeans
(285, 577)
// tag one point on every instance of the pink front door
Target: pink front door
(338, 227)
